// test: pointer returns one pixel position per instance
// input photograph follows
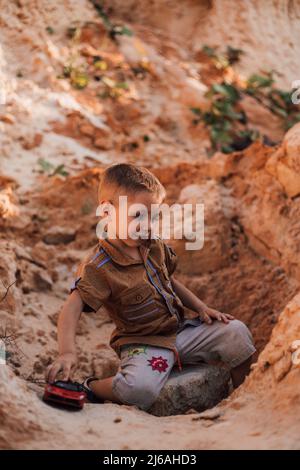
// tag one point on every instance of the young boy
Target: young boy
(133, 276)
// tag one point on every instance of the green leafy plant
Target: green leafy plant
(256, 82)
(50, 30)
(100, 64)
(225, 59)
(223, 117)
(262, 88)
(113, 89)
(79, 78)
(226, 121)
(50, 169)
(112, 29)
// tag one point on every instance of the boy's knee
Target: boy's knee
(239, 343)
(136, 392)
(239, 331)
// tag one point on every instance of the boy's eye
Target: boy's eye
(139, 215)
(155, 217)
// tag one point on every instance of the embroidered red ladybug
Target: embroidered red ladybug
(158, 363)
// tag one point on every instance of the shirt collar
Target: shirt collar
(119, 256)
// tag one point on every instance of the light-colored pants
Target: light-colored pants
(144, 369)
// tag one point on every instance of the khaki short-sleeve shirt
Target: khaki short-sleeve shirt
(138, 294)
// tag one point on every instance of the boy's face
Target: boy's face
(136, 216)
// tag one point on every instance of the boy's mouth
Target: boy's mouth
(145, 241)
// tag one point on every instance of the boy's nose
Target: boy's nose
(145, 230)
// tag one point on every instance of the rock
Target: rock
(210, 415)
(7, 206)
(291, 146)
(289, 179)
(102, 143)
(283, 366)
(87, 129)
(42, 279)
(220, 166)
(59, 235)
(11, 302)
(198, 387)
(284, 164)
(7, 118)
(275, 361)
(30, 143)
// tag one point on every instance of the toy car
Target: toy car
(66, 394)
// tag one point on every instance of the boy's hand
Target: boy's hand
(207, 314)
(64, 363)
(191, 301)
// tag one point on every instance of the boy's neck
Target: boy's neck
(134, 252)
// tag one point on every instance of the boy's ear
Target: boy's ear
(105, 203)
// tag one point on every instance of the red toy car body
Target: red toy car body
(66, 394)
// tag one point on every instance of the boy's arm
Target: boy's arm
(89, 291)
(191, 301)
(66, 331)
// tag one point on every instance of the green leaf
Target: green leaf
(196, 111)
(223, 109)
(227, 149)
(253, 134)
(46, 166)
(209, 51)
(103, 15)
(123, 85)
(60, 170)
(228, 91)
(260, 81)
(126, 31)
(100, 65)
(50, 30)
(79, 79)
(220, 136)
(279, 111)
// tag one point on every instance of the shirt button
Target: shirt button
(138, 297)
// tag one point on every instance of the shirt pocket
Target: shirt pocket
(138, 304)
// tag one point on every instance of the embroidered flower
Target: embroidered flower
(158, 363)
